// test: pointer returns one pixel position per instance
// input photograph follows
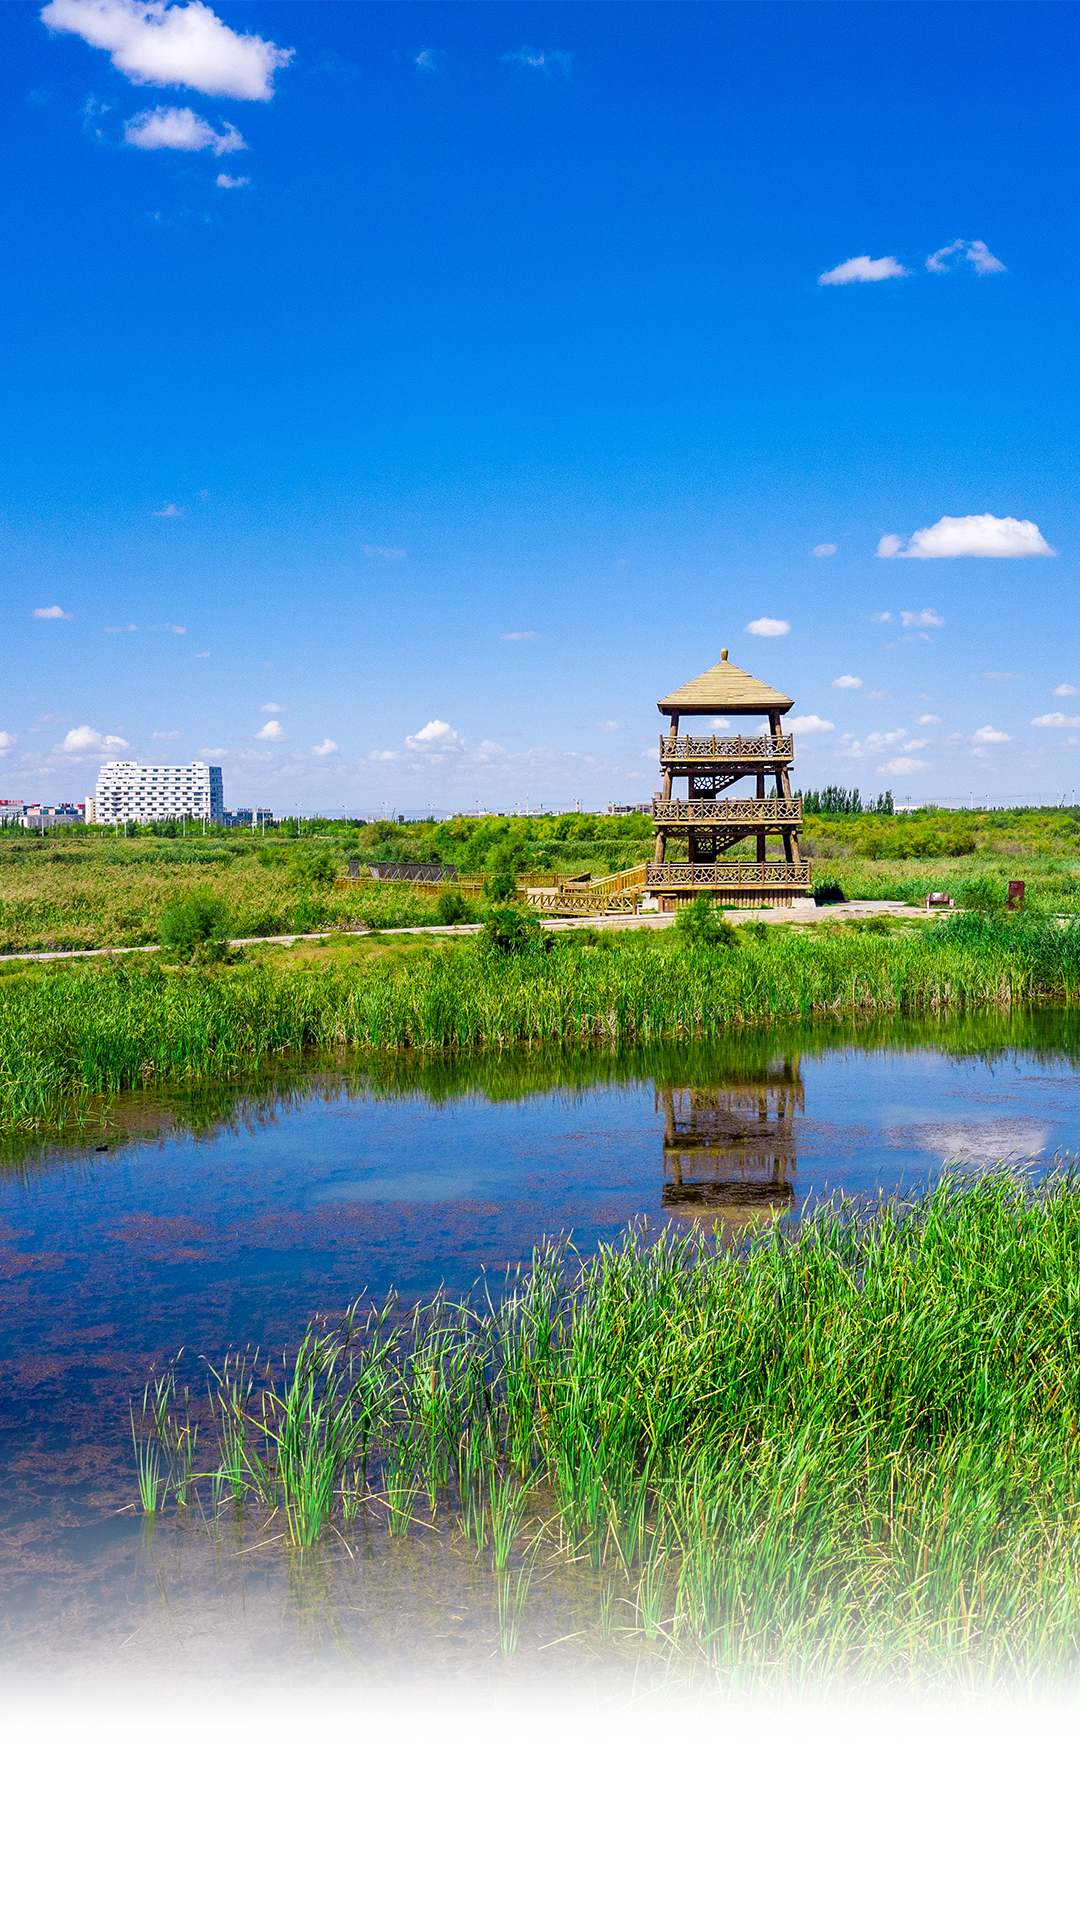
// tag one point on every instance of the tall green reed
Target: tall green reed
(68, 1035)
(845, 1452)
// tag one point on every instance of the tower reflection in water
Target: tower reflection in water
(729, 1151)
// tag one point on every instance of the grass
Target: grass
(840, 1456)
(97, 892)
(85, 888)
(68, 1036)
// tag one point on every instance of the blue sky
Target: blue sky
(400, 399)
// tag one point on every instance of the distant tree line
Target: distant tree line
(839, 800)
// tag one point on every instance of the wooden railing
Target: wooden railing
(611, 893)
(755, 748)
(725, 813)
(728, 873)
(624, 882)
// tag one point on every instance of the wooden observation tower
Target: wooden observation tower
(712, 826)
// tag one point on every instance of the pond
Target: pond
(206, 1222)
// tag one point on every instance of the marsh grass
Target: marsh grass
(840, 1455)
(69, 1035)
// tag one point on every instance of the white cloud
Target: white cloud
(823, 552)
(203, 656)
(1064, 690)
(129, 628)
(983, 260)
(981, 536)
(519, 636)
(768, 629)
(170, 511)
(233, 180)
(990, 736)
(180, 129)
(154, 44)
(878, 743)
(935, 262)
(879, 619)
(608, 726)
(861, 267)
(927, 618)
(977, 253)
(272, 707)
(847, 680)
(903, 763)
(84, 740)
(808, 723)
(1003, 676)
(273, 731)
(437, 737)
(328, 746)
(165, 627)
(879, 693)
(8, 740)
(533, 60)
(929, 719)
(430, 60)
(50, 613)
(385, 553)
(165, 736)
(1057, 719)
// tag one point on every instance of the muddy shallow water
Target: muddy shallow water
(204, 1222)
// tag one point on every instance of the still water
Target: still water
(203, 1224)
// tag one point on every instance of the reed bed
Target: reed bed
(66, 1036)
(837, 1457)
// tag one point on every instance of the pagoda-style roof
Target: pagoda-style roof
(725, 689)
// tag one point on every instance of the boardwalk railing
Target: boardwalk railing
(756, 749)
(724, 813)
(725, 874)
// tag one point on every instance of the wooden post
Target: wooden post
(665, 792)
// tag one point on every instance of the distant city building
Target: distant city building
(11, 813)
(128, 791)
(66, 813)
(244, 817)
(638, 806)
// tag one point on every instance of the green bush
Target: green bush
(982, 895)
(196, 925)
(313, 869)
(509, 930)
(450, 908)
(700, 925)
(500, 888)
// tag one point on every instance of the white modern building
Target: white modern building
(127, 791)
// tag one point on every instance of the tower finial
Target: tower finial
(723, 653)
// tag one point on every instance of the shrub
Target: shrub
(450, 907)
(500, 888)
(305, 917)
(509, 930)
(314, 869)
(196, 925)
(829, 895)
(982, 895)
(700, 925)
